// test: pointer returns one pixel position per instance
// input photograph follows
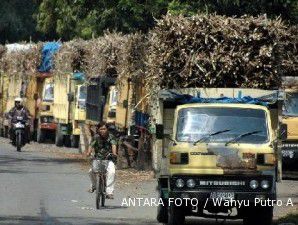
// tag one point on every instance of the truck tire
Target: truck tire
(5, 132)
(263, 215)
(74, 141)
(67, 141)
(59, 137)
(162, 209)
(176, 215)
(40, 135)
(162, 213)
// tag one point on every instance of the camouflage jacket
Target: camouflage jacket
(102, 146)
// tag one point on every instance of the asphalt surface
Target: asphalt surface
(37, 188)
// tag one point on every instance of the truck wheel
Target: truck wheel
(5, 132)
(176, 215)
(67, 141)
(74, 141)
(58, 137)
(162, 213)
(263, 215)
(40, 135)
(162, 209)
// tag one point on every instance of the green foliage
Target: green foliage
(68, 19)
(17, 21)
(89, 18)
(287, 9)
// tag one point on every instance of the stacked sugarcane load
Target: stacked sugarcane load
(2, 51)
(20, 60)
(70, 57)
(218, 51)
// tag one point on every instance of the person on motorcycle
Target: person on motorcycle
(103, 144)
(19, 111)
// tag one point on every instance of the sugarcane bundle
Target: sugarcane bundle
(21, 59)
(104, 54)
(132, 65)
(71, 57)
(219, 51)
(2, 51)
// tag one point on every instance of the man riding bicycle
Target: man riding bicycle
(103, 144)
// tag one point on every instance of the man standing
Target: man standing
(102, 144)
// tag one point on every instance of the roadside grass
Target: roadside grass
(290, 218)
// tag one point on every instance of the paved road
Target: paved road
(37, 188)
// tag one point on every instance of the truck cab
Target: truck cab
(69, 108)
(216, 150)
(290, 118)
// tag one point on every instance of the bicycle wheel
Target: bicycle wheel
(98, 192)
(103, 194)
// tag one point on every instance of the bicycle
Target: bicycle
(99, 167)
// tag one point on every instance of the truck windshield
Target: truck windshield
(48, 94)
(290, 107)
(82, 97)
(195, 123)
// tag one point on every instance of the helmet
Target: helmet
(20, 100)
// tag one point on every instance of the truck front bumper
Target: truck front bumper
(48, 126)
(202, 195)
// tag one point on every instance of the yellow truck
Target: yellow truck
(4, 83)
(69, 108)
(37, 94)
(44, 96)
(216, 152)
(290, 118)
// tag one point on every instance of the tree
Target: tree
(287, 9)
(17, 21)
(89, 18)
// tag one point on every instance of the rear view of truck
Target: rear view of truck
(215, 149)
(69, 108)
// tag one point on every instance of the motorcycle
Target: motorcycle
(19, 133)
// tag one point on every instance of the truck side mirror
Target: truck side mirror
(70, 97)
(283, 131)
(159, 131)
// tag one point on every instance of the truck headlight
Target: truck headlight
(179, 183)
(265, 184)
(254, 184)
(266, 159)
(269, 159)
(178, 158)
(190, 183)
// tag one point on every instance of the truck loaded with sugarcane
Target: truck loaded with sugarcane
(71, 86)
(289, 117)
(216, 100)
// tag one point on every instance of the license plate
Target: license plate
(288, 154)
(222, 195)
(19, 125)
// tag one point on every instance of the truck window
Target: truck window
(195, 123)
(48, 94)
(82, 95)
(113, 97)
(290, 107)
